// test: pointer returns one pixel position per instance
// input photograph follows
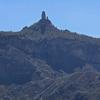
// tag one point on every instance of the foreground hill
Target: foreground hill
(83, 85)
(39, 56)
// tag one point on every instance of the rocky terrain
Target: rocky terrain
(41, 62)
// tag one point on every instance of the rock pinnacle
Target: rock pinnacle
(43, 16)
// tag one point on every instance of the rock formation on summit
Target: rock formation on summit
(43, 16)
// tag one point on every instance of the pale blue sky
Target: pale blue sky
(81, 16)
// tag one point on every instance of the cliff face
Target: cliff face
(40, 56)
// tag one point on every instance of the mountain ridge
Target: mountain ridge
(48, 24)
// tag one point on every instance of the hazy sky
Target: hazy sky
(81, 16)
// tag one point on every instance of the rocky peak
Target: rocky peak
(44, 19)
(43, 16)
(44, 22)
(44, 25)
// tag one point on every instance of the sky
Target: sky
(82, 16)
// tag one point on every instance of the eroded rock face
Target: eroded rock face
(17, 66)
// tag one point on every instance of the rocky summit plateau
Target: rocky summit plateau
(42, 62)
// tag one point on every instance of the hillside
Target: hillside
(42, 61)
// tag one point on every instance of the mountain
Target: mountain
(43, 62)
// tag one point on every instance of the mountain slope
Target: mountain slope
(40, 62)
